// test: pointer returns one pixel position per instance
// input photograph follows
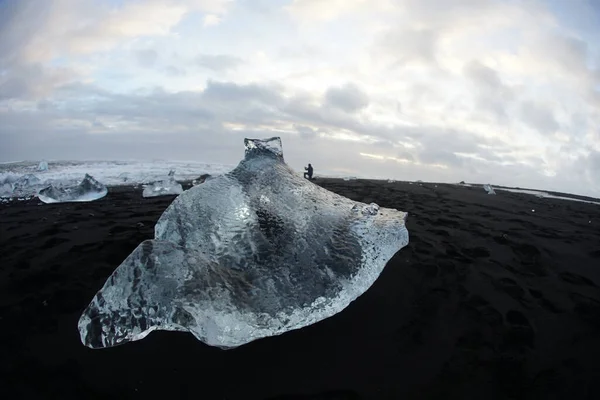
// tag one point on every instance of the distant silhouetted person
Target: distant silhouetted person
(309, 173)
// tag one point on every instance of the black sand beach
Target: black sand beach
(489, 300)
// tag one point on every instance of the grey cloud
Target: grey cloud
(33, 81)
(539, 117)
(405, 155)
(146, 58)
(349, 98)
(175, 71)
(220, 62)
(20, 21)
(594, 161)
(493, 96)
(410, 45)
(568, 52)
(483, 75)
(190, 125)
(306, 131)
(443, 157)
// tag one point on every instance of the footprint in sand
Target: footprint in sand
(519, 333)
(576, 279)
(544, 302)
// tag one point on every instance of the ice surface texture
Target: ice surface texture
(165, 187)
(253, 253)
(88, 190)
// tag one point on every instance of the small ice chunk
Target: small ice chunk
(489, 189)
(43, 166)
(6, 190)
(26, 185)
(27, 180)
(88, 190)
(350, 178)
(391, 181)
(165, 187)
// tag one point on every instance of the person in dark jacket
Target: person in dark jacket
(308, 174)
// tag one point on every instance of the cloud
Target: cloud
(539, 117)
(211, 20)
(146, 58)
(349, 98)
(493, 96)
(408, 46)
(306, 131)
(220, 62)
(175, 71)
(33, 81)
(500, 92)
(38, 32)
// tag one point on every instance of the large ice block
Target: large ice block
(253, 253)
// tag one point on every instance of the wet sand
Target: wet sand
(489, 300)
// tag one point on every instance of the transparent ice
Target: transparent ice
(27, 185)
(88, 190)
(489, 189)
(43, 166)
(250, 254)
(164, 187)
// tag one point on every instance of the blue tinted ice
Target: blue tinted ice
(167, 186)
(88, 190)
(253, 253)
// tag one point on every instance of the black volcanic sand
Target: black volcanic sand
(489, 300)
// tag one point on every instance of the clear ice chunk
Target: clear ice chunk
(250, 254)
(6, 190)
(165, 187)
(26, 186)
(43, 166)
(88, 190)
(489, 189)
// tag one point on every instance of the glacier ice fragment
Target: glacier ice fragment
(88, 190)
(168, 186)
(250, 254)
(43, 166)
(489, 189)
(27, 185)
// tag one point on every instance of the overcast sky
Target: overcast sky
(506, 92)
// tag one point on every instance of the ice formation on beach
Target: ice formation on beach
(26, 186)
(43, 166)
(250, 254)
(167, 186)
(489, 189)
(88, 190)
